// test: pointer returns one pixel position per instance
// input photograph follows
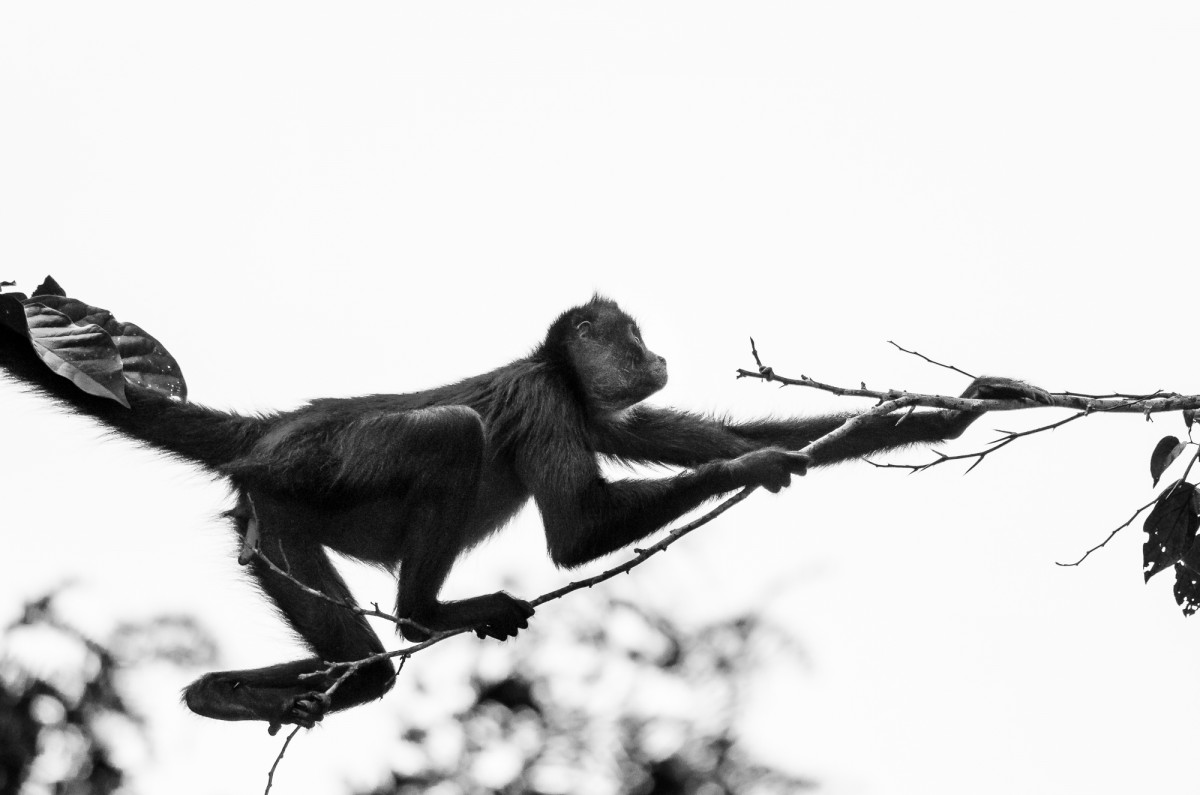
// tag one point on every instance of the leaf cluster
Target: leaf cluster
(1171, 527)
(88, 346)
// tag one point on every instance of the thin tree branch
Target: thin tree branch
(1110, 536)
(1007, 438)
(1153, 403)
(931, 361)
(278, 759)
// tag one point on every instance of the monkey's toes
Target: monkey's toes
(308, 709)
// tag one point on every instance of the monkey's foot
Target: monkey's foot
(305, 711)
(990, 387)
(495, 615)
(255, 695)
(509, 615)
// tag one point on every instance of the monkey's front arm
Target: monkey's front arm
(649, 434)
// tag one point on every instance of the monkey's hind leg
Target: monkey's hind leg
(293, 692)
(441, 475)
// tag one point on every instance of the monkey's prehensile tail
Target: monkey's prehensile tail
(195, 433)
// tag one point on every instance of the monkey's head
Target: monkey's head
(603, 347)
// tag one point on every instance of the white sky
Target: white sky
(327, 199)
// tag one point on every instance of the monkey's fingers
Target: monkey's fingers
(798, 463)
(999, 388)
(499, 632)
(515, 617)
(1040, 395)
(308, 709)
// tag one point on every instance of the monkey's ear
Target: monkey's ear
(584, 329)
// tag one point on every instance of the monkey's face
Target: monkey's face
(614, 366)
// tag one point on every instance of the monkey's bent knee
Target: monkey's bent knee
(375, 679)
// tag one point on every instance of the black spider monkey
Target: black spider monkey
(411, 481)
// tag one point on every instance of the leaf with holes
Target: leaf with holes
(1187, 581)
(1166, 451)
(1171, 527)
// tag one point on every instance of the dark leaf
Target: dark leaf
(144, 360)
(1187, 581)
(1189, 417)
(84, 354)
(49, 287)
(1166, 451)
(1171, 527)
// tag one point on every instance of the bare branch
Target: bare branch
(931, 361)
(1111, 535)
(1007, 438)
(278, 759)
(1153, 403)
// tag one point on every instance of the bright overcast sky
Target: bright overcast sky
(327, 199)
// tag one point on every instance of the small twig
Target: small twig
(931, 361)
(765, 372)
(1111, 535)
(278, 759)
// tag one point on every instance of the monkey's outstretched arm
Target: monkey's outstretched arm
(657, 435)
(664, 436)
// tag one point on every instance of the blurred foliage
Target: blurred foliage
(623, 700)
(60, 699)
(599, 697)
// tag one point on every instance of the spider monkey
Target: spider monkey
(411, 481)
